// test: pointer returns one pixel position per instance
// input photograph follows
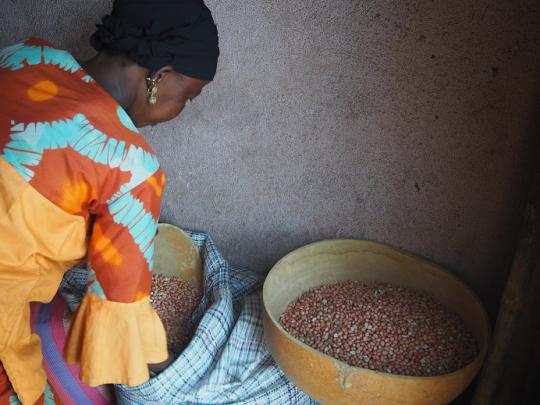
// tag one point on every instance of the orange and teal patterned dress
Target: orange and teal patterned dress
(77, 181)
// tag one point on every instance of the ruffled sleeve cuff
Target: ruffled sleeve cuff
(114, 342)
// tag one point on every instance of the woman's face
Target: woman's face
(174, 90)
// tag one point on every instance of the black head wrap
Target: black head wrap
(157, 33)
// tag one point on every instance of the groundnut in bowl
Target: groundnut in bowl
(381, 327)
(355, 322)
(177, 284)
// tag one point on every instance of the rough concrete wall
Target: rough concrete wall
(405, 122)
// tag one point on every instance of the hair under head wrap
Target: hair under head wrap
(157, 33)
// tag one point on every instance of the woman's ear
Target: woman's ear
(159, 74)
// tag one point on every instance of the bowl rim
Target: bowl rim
(171, 226)
(485, 319)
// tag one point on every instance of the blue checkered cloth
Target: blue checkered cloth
(227, 361)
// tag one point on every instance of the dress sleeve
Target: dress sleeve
(116, 333)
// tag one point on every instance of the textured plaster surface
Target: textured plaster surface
(404, 122)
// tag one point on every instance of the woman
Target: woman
(78, 181)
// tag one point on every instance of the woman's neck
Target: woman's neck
(118, 77)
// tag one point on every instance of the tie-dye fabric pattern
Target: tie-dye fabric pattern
(76, 180)
(78, 148)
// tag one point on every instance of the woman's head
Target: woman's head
(172, 46)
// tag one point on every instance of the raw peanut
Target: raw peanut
(382, 327)
(174, 300)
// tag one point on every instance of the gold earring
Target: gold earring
(152, 90)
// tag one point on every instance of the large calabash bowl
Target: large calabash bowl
(332, 382)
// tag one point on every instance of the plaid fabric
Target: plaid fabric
(227, 361)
